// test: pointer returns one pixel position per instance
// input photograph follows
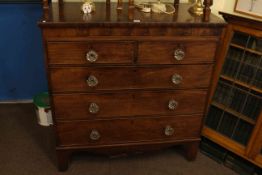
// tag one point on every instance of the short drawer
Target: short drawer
(90, 52)
(79, 79)
(176, 52)
(108, 105)
(105, 132)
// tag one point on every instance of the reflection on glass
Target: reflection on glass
(223, 94)
(255, 44)
(232, 61)
(251, 58)
(240, 39)
(243, 66)
(258, 79)
(238, 97)
(235, 53)
(242, 132)
(213, 117)
(246, 73)
(253, 105)
(227, 124)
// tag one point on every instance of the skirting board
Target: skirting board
(16, 101)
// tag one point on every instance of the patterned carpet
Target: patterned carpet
(28, 149)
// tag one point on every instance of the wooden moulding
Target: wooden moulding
(232, 146)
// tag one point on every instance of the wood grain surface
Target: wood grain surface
(75, 52)
(136, 103)
(128, 130)
(123, 78)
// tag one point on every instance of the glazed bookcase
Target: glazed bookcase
(234, 117)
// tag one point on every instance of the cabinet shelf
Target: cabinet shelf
(241, 83)
(246, 49)
(231, 145)
(233, 112)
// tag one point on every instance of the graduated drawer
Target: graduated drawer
(176, 52)
(142, 103)
(106, 132)
(90, 52)
(80, 79)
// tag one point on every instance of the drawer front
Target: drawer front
(106, 132)
(114, 78)
(107, 105)
(90, 52)
(176, 53)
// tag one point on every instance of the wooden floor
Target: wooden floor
(28, 149)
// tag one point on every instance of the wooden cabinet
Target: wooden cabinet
(234, 119)
(120, 86)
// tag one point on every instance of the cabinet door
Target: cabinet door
(234, 118)
(254, 149)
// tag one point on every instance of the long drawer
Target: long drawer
(90, 52)
(106, 132)
(176, 52)
(80, 79)
(139, 103)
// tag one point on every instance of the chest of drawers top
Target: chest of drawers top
(107, 21)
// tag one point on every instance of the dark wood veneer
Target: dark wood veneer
(76, 106)
(128, 130)
(134, 77)
(163, 52)
(75, 52)
(134, 68)
(242, 21)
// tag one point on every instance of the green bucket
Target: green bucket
(43, 110)
(42, 100)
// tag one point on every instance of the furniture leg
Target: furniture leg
(63, 157)
(190, 150)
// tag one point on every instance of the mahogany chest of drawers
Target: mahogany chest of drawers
(119, 86)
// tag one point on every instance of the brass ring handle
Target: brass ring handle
(94, 135)
(179, 54)
(177, 79)
(172, 104)
(169, 131)
(92, 81)
(93, 108)
(91, 56)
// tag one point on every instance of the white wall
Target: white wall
(228, 6)
(218, 5)
(223, 5)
